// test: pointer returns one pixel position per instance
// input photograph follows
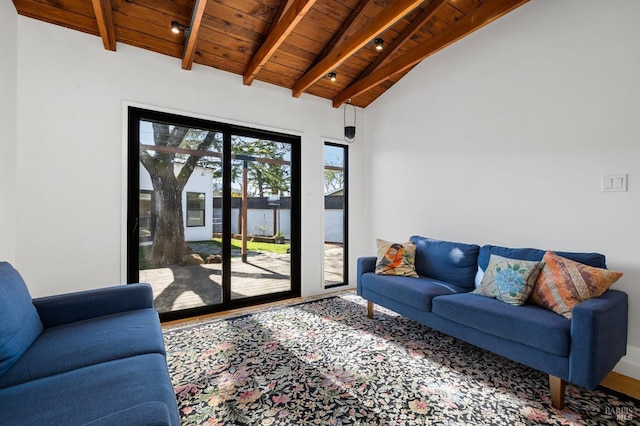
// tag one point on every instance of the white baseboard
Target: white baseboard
(629, 365)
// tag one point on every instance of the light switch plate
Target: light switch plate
(614, 183)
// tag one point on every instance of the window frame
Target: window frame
(345, 217)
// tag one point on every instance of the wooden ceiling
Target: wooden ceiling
(290, 43)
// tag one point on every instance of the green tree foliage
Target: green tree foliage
(333, 175)
(265, 177)
(172, 164)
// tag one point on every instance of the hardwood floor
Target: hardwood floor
(623, 384)
(248, 310)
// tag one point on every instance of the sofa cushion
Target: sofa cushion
(564, 283)
(509, 280)
(592, 259)
(83, 343)
(446, 260)
(415, 292)
(395, 258)
(20, 323)
(528, 324)
(115, 390)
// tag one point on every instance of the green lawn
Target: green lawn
(254, 246)
(251, 246)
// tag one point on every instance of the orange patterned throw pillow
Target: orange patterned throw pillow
(396, 259)
(564, 283)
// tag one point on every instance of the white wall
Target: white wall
(70, 148)
(503, 137)
(8, 99)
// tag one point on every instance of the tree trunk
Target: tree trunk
(169, 246)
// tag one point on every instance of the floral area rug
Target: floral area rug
(326, 363)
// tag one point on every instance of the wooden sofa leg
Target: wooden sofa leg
(370, 309)
(557, 386)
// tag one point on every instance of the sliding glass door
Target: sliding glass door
(213, 213)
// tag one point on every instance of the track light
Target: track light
(379, 43)
(332, 76)
(177, 27)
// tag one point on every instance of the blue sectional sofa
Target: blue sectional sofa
(89, 358)
(581, 350)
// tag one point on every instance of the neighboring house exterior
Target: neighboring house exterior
(202, 213)
(197, 205)
(334, 216)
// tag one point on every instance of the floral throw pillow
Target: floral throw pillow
(509, 280)
(396, 259)
(564, 283)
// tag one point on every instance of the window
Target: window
(335, 215)
(146, 216)
(195, 208)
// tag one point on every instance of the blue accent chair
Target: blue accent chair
(95, 357)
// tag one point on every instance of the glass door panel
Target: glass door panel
(179, 166)
(260, 217)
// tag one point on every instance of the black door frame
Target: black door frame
(135, 115)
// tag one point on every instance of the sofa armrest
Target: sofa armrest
(598, 337)
(71, 307)
(365, 264)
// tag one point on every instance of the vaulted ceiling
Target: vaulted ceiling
(295, 44)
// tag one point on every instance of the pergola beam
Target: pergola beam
(192, 35)
(389, 16)
(276, 37)
(199, 153)
(465, 26)
(104, 16)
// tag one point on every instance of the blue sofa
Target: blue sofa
(89, 358)
(580, 351)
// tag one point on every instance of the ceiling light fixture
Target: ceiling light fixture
(332, 76)
(176, 27)
(379, 43)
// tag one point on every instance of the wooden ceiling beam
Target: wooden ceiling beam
(389, 16)
(192, 35)
(104, 16)
(484, 15)
(353, 17)
(276, 37)
(415, 26)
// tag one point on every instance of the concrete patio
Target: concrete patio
(183, 287)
